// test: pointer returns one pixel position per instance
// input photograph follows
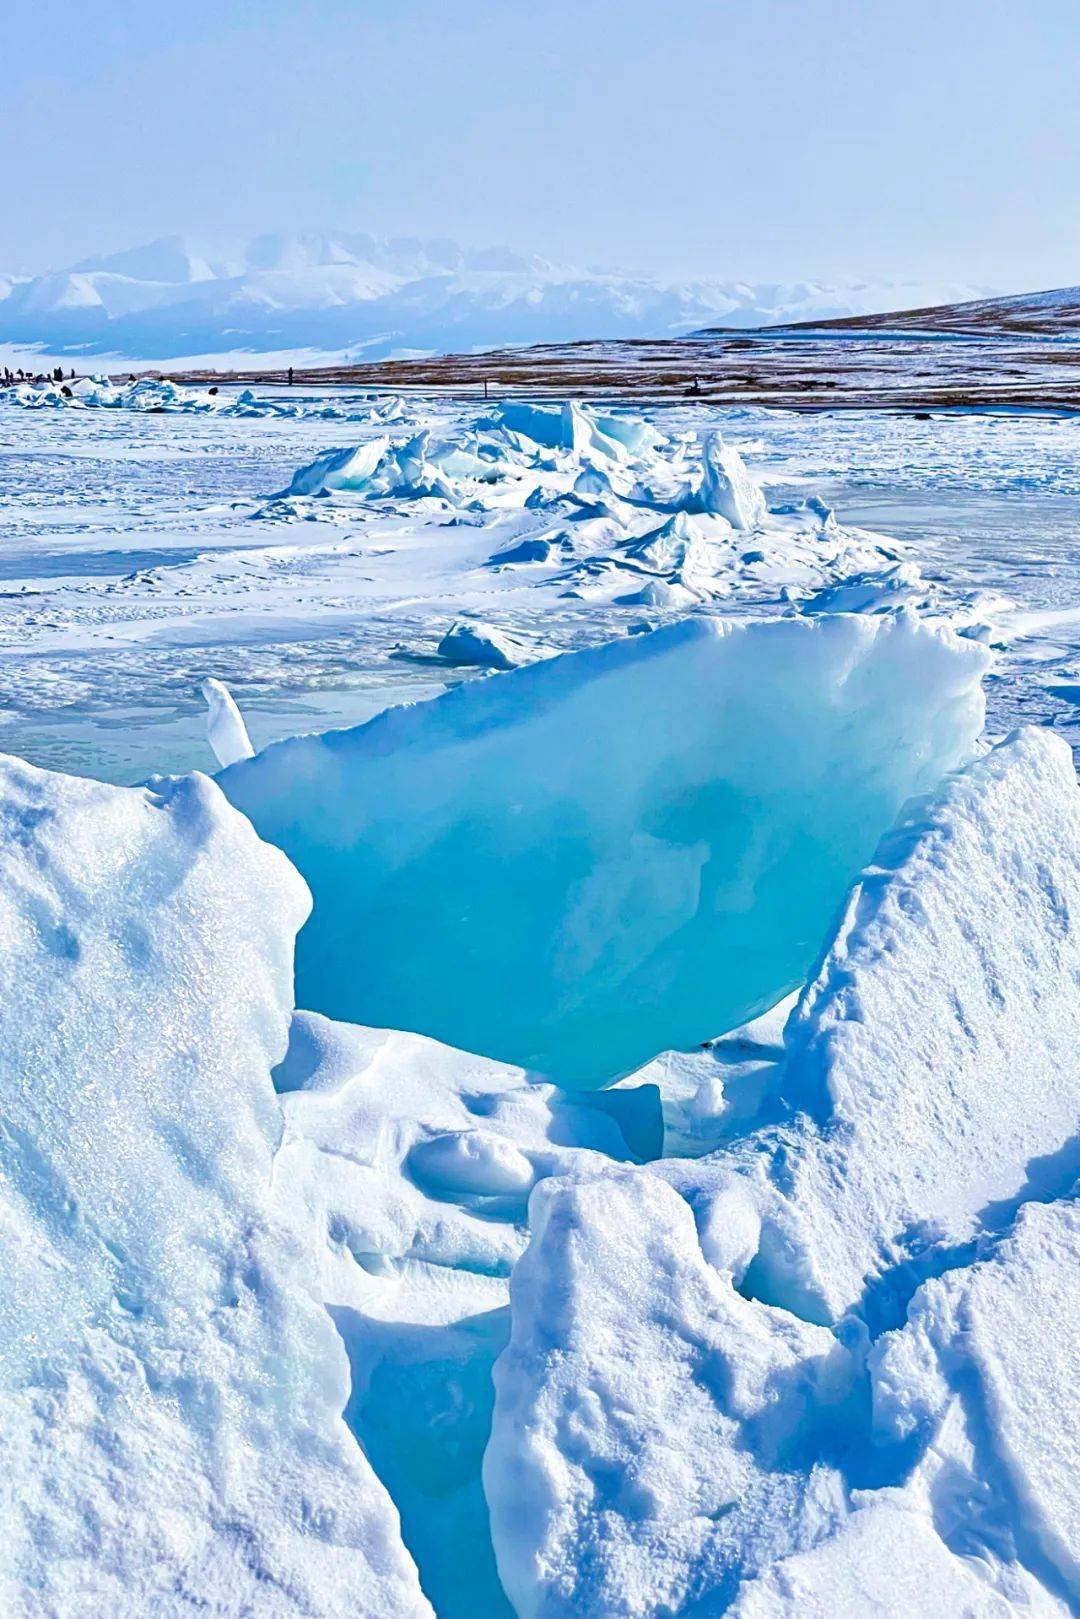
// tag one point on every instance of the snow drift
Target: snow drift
(576, 865)
(932, 1060)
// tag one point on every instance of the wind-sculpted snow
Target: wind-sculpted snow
(579, 864)
(648, 1422)
(934, 1056)
(170, 1420)
(985, 1373)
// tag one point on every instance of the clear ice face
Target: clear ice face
(577, 865)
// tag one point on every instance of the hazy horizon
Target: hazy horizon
(774, 143)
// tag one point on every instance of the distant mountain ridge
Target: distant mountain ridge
(352, 295)
(1053, 313)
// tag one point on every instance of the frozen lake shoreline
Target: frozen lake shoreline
(140, 553)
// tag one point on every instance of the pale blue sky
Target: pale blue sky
(768, 139)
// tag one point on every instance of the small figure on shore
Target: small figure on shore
(694, 389)
(290, 376)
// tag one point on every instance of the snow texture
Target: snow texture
(647, 1418)
(933, 1055)
(172, 1391)
(406, 1168)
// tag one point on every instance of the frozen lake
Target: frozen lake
(141, 552)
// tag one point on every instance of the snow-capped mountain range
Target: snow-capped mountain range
(356, 296)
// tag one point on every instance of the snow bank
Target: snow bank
(934, 1054)
(662, 1444)
(647, 1419)
(613, 852)
(875, 590)
(172, 1391)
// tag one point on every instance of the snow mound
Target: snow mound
(873, 591)
(646, 1418)
(172, 1390)
(985, 1374)
(613, 852)
(481, 647)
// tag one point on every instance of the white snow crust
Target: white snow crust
(172, 1392)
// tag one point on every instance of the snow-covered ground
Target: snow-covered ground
(601, 1142)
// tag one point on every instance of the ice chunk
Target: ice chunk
(617, 851)
(225, 728)
(642, 1455)
(172, 1390)
(572, 427)
(726, 487)
(934, 1054)
(350, 469)
(419, 466)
